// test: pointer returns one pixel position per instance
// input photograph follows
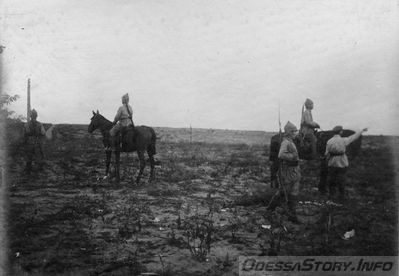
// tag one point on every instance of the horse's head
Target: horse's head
(95, 122)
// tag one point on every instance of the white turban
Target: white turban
(125, 98)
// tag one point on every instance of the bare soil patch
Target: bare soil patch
(205, 208)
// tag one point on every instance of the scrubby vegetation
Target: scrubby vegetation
(206, 207)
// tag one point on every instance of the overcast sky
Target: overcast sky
(212, 64)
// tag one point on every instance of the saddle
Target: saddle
(128, 138)
(304, 144)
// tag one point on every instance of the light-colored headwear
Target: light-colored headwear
(308, 103)
(33, 114)
(337, 129)
(125, 98)
(289, 127)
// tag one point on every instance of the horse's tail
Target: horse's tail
(153, 141)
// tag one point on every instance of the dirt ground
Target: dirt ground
(206, 207)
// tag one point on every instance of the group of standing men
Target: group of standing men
(335, 154)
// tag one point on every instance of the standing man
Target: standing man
(308, 126)
(337, 159)
(289, 169)
(123, 119)
(34, 132)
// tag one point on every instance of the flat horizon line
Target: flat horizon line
(211, 128)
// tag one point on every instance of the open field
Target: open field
(205, 208)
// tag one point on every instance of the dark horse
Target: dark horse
(141, 139)
(304, 152)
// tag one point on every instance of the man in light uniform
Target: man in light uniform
(289, 168)
(123, 119)
(308, 126)
(34, 132)
(337, 159)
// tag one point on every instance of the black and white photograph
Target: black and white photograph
(199, 137)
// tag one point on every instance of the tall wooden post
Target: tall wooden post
(28, 107)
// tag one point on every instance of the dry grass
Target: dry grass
(68, 219)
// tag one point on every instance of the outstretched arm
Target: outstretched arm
(355, 136)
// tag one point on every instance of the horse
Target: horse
(304, 151)
(141, 139)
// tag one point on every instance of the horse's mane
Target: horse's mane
(105, 120)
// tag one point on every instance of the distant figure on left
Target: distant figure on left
(34, 133)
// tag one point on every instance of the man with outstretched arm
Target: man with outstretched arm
(338, 160)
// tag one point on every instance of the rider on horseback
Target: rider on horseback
(308, 127)
(123, 119)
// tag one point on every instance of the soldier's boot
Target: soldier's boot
(292, 202)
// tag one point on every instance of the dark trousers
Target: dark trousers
(336, 179)
(34, 153)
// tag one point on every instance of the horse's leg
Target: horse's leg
(107, 162)
(152, 163)
(117, 164)
(140, 154)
